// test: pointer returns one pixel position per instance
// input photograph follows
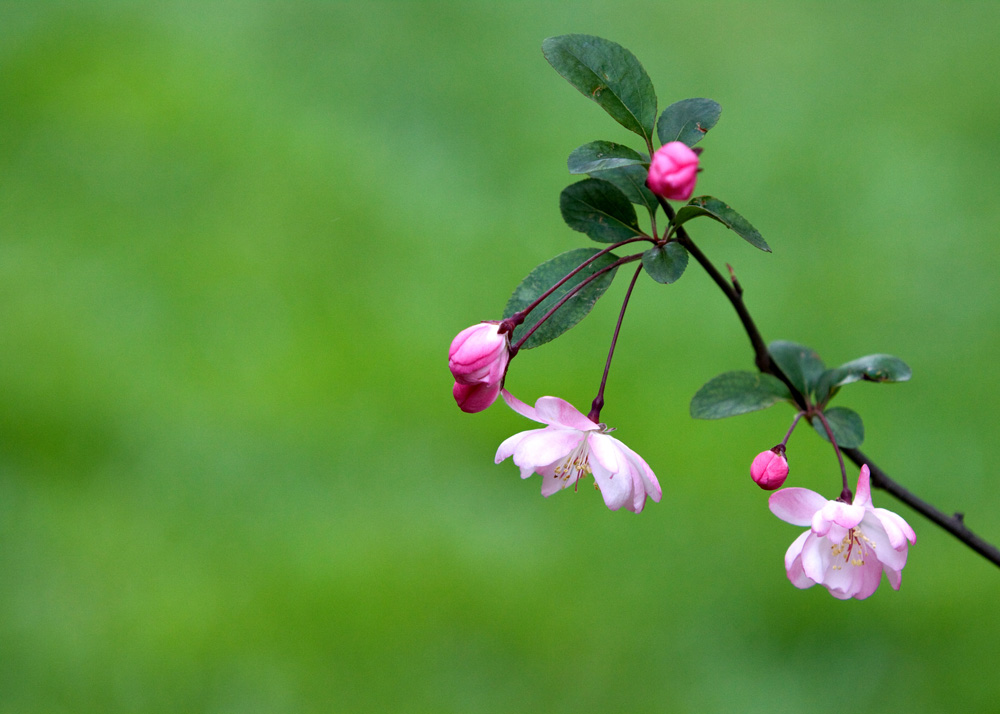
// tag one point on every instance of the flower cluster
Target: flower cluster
(572, 446)
(848, 545)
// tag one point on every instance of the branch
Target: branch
(954, 524)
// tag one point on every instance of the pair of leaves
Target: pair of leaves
(543, 277)
(806, 370)
(736, 393)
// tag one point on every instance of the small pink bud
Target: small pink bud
(769, 468)
(472, 398)
(479, 354)
(673, 171)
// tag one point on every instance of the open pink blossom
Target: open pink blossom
(673, 171)
(848, 546)
(572, 446)
(478, 359)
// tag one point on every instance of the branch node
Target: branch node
(736, 283)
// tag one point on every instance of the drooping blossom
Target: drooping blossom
(769, 468)
(673, 171)
(848, 546)
(570, 447)
(478, 359)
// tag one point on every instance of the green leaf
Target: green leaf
(799, 363)
(631, 180)
(735, 393)
(846, 424)
(601, 155)
(610, 75)
(714, 208)
(665, 264)
(687, 120)
(870, 368)
(600, 210)
(575, 309)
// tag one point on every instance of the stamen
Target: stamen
(854, 538)
(576, 464)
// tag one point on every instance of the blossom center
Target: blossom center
(854, 547)
(576, 465)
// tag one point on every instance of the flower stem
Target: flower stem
(517, 318)
(598, 404)
(795, 422)
(846, 494)
(569, 294)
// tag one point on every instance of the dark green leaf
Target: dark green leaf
(610, 75)
(601, 155)
(714, 208)
(735, 393)
(687, 120)
(799, 363)
(665, 264)
(847, 427)
(600, 210)
(631, 180)
(575, 309)
(871, 368)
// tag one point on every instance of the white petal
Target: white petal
(616, 488)
(882, 542)
(605, 450)
(796, 505)
(510, 443)
(899, 531)
(816, 556)
(649, 483)
(543, 447)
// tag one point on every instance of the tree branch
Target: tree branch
(954, 524)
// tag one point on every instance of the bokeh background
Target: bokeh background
(236, 240)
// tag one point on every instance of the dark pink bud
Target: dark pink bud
(474, 398)
(769, 468)
(673, 171)
(479, 354)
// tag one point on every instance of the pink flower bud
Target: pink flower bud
(474, 398)
(479, 354)
(769, 468)
(673, 171)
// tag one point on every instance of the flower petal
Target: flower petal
(510, 444)
(649, 483)
(519, 406)
(544, 447)
(881, 542)
(896, 528)
(816, 557)
(793, 563)
(615, 488)
(796, 505)
(863, 496)
(559, 412)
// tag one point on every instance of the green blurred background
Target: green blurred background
(236, 240)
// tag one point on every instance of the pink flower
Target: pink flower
(572, 446)
(478, 359)
(673, 171)
(770, 468)
(848, 546)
